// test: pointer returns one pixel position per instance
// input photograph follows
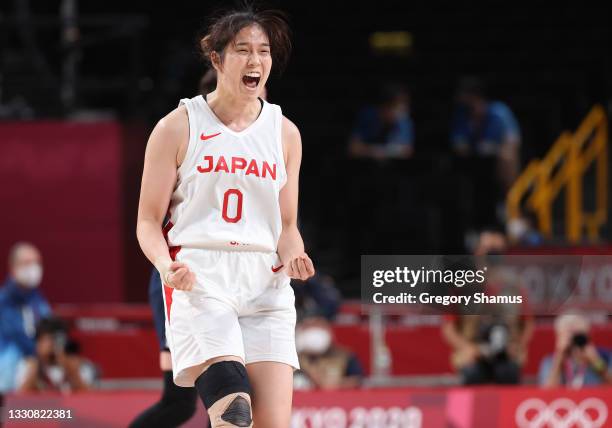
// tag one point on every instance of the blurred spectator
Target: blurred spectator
(22, 305)
(576, 361)
(491, 346)
(56, 364)
(523, 230)
(317, 297)
(486, 128)
(384, 130)
(490, 242)
(323, 364)
(486, 348)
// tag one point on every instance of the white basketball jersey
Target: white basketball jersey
(226, 195)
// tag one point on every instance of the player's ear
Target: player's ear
(215, 60)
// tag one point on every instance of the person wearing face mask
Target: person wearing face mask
(324, 365)
(576, 362)
(385, 130)
(22, 305)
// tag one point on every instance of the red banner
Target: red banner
(588, 408)
(61, 190)
(373, 408)
(488, 407)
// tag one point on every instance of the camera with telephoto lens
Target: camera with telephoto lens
(494, 341)
(580, 340)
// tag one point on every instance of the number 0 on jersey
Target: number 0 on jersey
(238, 204)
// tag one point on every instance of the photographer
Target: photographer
(487, 348)
(55, 365)
(576, 361)
(489, 343)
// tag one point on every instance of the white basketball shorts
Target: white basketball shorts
(239, 306)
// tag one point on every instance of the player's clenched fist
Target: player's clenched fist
(176, 275)
(300, 267)
(180, 277)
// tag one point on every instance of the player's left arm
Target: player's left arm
(290, 244)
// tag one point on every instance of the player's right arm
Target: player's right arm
(165, 152)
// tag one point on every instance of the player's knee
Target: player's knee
(225, 390)
(233, 410)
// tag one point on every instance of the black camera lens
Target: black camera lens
(580, 340)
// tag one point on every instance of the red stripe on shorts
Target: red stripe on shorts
(168, 293)
(173, 253)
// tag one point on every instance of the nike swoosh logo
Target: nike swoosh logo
(276, 269)
(208, 137)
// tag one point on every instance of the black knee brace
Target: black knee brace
(221, 379)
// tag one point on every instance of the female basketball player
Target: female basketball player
(227, 166)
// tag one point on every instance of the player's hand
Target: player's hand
(179, 277)
(300, 267)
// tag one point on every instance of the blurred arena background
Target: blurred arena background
(83, 83)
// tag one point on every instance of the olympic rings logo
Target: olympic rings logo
(561, 413)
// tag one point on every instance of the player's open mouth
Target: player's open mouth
(251, 80)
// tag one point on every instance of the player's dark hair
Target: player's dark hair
(224, 27)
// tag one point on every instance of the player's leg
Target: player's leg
(205, 327)
(221, 379)
(272, 390)
(269, 339)
(225, 390)
(177, 404)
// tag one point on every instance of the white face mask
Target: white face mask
(313, 340)
(516, 229)
(29, 275)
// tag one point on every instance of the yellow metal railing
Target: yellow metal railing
(564, 167)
